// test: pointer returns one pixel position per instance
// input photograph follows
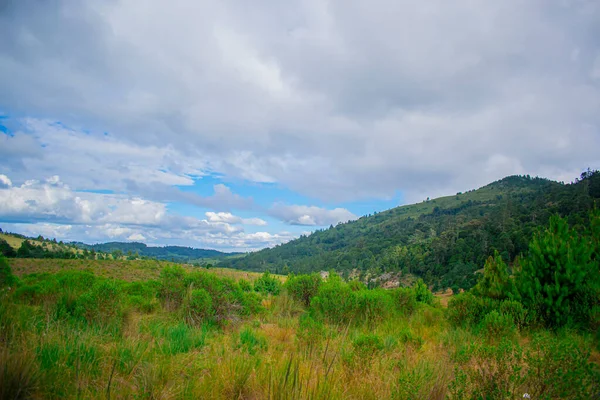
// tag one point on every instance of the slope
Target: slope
(442, 240)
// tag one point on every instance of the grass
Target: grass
(127, 270)
(277, 352)
(15, 243)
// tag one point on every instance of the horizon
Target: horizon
(235, 128)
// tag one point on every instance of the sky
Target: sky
(237, 125)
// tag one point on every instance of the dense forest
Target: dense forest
(168, 253)
(444, 240)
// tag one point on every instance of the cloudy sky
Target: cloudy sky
(237, 125)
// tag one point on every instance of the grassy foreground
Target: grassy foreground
(147, 330)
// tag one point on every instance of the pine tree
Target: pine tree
(558, 273)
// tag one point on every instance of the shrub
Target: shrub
(334, 301)
(245, 285)
(18, 376)
(367, 345)
(558, 273)
(310, 331)
(250, 341)
(357, 285)
(266, 284)
(6, 276)
(496, 326)
(372, 305)
(198, 307)
(405, 300)
(303, 287)
(558, 368)
(488, 372)
(172, 286)
(101, 305)
(516, 311)
(422, 292)
(464, 309)
(495, 282)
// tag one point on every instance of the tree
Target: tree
(495, 282)
(560, 274)
(6, 249)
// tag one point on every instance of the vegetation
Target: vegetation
(443, 241)
(81, 328)
(84, 334)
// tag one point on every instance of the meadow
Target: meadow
(152, 330)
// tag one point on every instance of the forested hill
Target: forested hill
(442, 240)
(175, 253)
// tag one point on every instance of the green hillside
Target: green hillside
(444, 240)
(168, 253)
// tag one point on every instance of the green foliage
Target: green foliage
(560, 273)
(251, 341)
(405, 300)
(245, 285)
(18, 376)
(267, 284)
(495, 282)
(303, 287)
(367, 345)
(6, 249)
(101, 305)
(444, 240)
(179, 338)
(372, 305)
(6, 276)
(335, 301)
(488, 372)
(558, 368)
(198, 307)
(310, 330)
(422, 292)
(496, 326)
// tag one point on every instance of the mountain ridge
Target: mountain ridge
(443, 240)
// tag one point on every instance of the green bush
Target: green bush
(422, 292)
(172, 287)
(558, 368)
(303, 287)
(335, 301)
(251, 341)
(7, 279)
(516, 311)
(368, 345)
(488, 372)
(405, 300)
(372, 305)
(245, 285)
(198, 307)
(310, 331)
(357, 285)
(101, 305)
(560, 273)
(497, 326)
(266, 284)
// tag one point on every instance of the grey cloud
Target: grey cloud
(310, 215)
(338, 101)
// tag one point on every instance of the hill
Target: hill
(170, 253)
(444, 240)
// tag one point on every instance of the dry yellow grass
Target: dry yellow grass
(15, 243)
(128, 270)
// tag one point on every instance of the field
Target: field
(127, 270)
(149, 330)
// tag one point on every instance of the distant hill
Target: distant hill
(444, 240)
(169, 253)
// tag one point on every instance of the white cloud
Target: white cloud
(338, 101)
(53, 209)
(310, 215)
(4, 181)
(233, 219)
(137, 237)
